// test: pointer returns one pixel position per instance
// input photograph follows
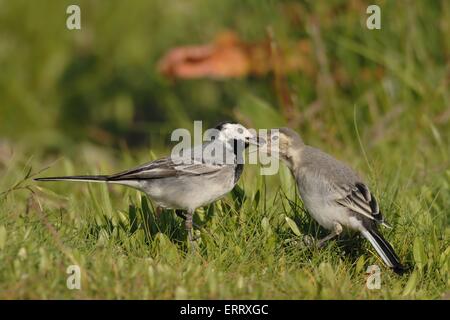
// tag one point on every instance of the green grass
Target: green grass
(92, 101)
(251, 242)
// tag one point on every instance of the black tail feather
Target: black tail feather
(388, 251)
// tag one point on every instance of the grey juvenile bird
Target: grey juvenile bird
(191, 179)
(334, 195)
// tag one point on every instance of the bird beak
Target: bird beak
(256, 140)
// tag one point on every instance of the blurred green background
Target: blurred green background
(100, 84)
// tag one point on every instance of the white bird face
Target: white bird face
(237, 132)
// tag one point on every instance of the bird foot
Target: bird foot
(193, 237)
(309, 241)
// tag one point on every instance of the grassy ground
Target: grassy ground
(250, 243)
(87, 102)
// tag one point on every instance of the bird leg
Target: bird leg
(337, 230)
(188, 225)
(182, 215)
(158, 211)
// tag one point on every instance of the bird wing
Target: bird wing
(164, 168)
(337, 183)
(198, 168)
(358, 198)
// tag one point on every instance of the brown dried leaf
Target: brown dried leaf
(225, 58)
(229, 57)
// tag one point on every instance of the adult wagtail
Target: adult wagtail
(333, 194)
(195, 177)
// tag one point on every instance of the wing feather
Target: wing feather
(164, 168)
(360, 200)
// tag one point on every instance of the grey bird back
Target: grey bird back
(330, 168)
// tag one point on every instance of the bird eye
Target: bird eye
(274, 138)
(240, 130)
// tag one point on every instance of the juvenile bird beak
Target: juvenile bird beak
(256, 140)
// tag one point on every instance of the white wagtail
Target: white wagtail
(198, 176)
(334, 195)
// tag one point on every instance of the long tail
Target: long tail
(76, 178)
(384, 249)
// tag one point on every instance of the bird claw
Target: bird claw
(309, 241)
(194, 237)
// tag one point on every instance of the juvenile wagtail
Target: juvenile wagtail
(333, 194)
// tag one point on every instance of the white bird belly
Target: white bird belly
(186, 193)
(325, 213)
